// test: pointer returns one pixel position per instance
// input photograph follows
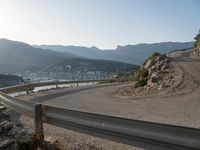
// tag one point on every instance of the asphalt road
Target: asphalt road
(180, 106)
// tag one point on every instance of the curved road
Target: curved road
(179, 107)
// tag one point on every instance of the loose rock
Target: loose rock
(2, 107)
(196, 51)
(8, 126)
(159, 73)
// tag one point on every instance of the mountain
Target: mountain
(88, 65)
(18, 56)
(134, 54)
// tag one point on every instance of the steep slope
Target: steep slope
(134, 54)
(18, 56)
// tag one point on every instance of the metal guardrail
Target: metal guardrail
(176, 50)
(30, 86)
(113, 128)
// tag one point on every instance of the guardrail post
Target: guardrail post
(27, 91)
(56, 86)
(38, 123)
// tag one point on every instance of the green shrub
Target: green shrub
(155, 54)
(139, 74)
(141, 82)
(135, 76)
(143, 73)
(151, 56)
(197, 41)
(144, 63)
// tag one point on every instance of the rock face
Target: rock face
(156, 74)
(155, 77)
(196, 51)
(15, 136)
(160, 72)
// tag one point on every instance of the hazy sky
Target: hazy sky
(103, 23)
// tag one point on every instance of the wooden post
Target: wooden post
(38, 123)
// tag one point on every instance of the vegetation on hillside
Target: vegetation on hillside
(141, 76)
(151, 56)
(82, 64)
(197, 41)
(9, 80)
(10, 77)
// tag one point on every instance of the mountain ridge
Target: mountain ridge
(134, 54)
(17, 56)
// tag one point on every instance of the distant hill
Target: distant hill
(85, 69)
(9, 80)
(18, 56)
(87, 65)
(134, 54)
